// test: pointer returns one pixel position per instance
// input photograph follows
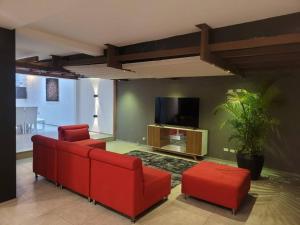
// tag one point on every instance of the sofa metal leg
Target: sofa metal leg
(89, 199)
(233, 211)
(94, 201)
(185, 196)
(36, 176)
(133, 219)
(61, 187)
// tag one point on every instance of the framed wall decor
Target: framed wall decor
(52, 90)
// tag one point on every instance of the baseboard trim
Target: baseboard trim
(24, 155)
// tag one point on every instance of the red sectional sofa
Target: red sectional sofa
(80, 135)
(220, 184)
(118, 181)
(122, 183)
(45, 157)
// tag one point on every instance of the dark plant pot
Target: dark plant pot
(254, 163)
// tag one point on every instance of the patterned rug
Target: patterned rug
(173, 165)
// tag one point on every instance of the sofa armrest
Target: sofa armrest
(45, 141)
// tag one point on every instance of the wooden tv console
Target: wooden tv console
(178, 140)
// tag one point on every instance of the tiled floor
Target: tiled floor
(24, 140)
(273, 200)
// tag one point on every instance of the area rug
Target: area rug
(173, 165)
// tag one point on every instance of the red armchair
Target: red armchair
(80, 135)
(44, 157)
(123, 184)
(74, 167)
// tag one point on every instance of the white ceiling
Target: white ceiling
(169, 68)
(62, 27)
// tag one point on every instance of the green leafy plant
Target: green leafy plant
(250, 118)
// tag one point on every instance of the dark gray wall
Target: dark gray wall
(7, 115)
(135, 110)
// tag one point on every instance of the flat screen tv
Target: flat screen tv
(21, 93)
(177, 111)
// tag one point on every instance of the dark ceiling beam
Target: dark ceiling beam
(277, 35)
(268, 50)
(207, 55)
(56, 61)
(271, 65)
(29, 59)
(188, 44)
(44, 69)
(46, 73)
(84, 61)
(283, 39)
(244, 31)
(266, 59)
(31, 65)
(112, 57)
(160, 54)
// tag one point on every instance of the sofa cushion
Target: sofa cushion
(155, 179)
(76, 134)
(93, 143)
(62, 129)
(218, 174)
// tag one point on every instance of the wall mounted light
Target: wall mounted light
(95, 96)
(95, 116)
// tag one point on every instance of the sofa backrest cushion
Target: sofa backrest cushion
(115, 159)
(76, 135)
(73, 132)
(74, 148)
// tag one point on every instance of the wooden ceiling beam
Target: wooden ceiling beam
(44, 69)
(112, 57)
(160, 54)
(88, 60)
(273, 65)
(31, 65)
(46, 73)
(29, 59)
(269, 50)
(219, 46)
(283, 39)
(206, 54)
(266, 59)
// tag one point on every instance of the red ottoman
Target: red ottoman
(220, 184)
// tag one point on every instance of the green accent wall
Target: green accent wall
(135, 110)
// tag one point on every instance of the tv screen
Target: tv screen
(177, 111)
(21, 93)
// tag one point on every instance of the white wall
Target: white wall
(88, 105)
(56, 113)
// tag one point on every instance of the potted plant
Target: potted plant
(251, 122)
